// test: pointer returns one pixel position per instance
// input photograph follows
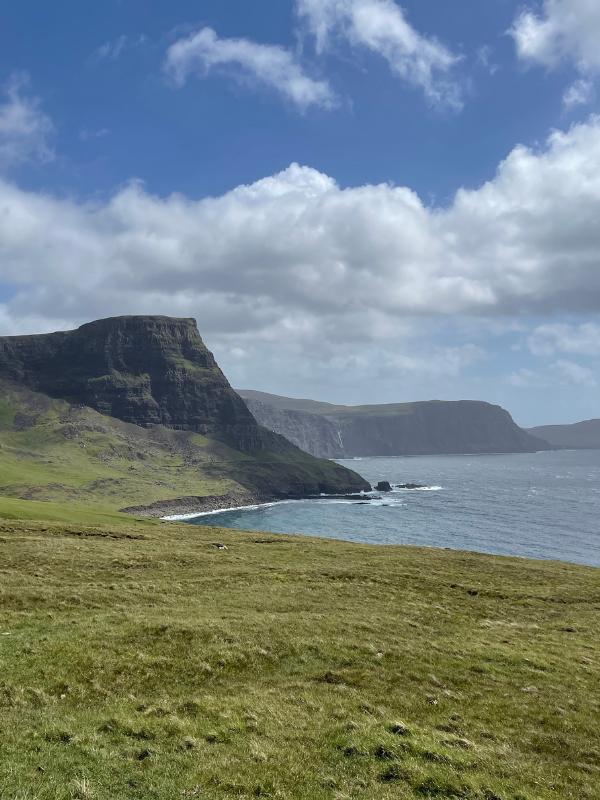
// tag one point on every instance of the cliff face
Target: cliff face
(310, 432)
(144, 370)
(426, 428)
(579, 436)
(157, 371)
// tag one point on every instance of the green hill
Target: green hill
(51, 450)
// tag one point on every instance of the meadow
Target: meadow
(141, 659)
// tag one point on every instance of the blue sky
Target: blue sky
(147, 156)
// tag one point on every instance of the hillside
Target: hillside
(52, 450)
(579, 436)
(422, 428)
(134, 411)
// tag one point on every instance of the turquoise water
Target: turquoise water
(542, 505)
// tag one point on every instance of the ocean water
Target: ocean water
(541, 505)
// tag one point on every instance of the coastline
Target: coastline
(215, 511)
(185, 508)
(194, 506)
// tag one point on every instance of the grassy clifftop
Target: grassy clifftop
(140, 661)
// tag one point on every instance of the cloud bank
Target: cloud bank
(296, 247)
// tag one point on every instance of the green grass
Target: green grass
(53, 451)
(137, 661)
(12, 509)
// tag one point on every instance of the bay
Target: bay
(540, 505)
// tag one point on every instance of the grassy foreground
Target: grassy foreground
(138, 660)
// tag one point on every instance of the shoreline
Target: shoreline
(192, 506)
(186, 508)
(215, 511)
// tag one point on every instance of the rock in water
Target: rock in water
(383, 486)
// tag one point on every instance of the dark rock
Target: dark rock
(410, 486)
(383, 486)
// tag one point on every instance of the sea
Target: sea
(541, 505)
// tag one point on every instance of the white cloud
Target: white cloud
(295, 263)
(24, 128)
(579, 93)
(525, 378)
(114, 49)
(569, 372)
(88, 134)
(558, 373)
(270, 65)
(564, 30)
(381, 27)
(583, 339)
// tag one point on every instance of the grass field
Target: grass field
(138, 660)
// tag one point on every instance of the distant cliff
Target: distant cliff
(152, 370)
(310, 432)
(579, 436)
(423, 428)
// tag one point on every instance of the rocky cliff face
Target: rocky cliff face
(426, 428)
(144, 370)
(157, 371)
(310, 432)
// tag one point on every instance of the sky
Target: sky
(360, 201)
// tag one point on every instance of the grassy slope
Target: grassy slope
(139, 661)
(55, 452)
(51, 451)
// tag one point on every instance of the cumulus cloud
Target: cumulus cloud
(564, 30)
(270, 65)
(295, 262)
(381, 27)
(25, 129)
(579, 93)
(548, 340)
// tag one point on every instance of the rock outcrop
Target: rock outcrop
(152, 370)
(423, 428)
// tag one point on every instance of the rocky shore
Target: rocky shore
(182, 506)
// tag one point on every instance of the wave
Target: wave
(255, 507)
(421, 489)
